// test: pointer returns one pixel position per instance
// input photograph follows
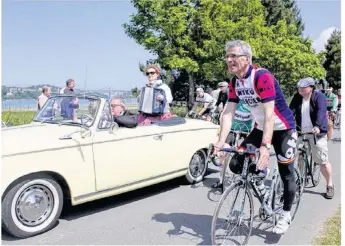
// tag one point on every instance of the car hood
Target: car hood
(35, 137)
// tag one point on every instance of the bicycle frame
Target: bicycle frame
(249, 179)
(303, 149)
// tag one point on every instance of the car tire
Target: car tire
(197, 167)
(43, 196)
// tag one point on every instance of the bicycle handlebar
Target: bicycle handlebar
(308, 133)
(242, 151)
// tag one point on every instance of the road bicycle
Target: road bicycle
(241, 191)
(309, 170)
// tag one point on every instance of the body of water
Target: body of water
(32, 103)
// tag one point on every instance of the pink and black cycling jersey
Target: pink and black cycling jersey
(259, 86)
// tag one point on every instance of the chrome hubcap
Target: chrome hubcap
(34, 205)
(197, 165)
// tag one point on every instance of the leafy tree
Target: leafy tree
(276, 10)
(332, 62)
(4, 91)
(135, 92)
(190, 36)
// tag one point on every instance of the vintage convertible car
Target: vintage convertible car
(74, 153)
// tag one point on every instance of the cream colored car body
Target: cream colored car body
(99, 163)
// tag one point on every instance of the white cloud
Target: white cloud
(319, 43)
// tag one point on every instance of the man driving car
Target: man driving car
(122, 116)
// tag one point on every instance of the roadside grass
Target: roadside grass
(330, 233)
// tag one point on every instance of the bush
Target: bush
(16, 118)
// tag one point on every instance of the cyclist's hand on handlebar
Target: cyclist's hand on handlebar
(217, 147)
(315, 130)
(263, 159)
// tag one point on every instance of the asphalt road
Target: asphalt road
(171, 213)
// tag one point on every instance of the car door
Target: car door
(183, 141)
(126, 156)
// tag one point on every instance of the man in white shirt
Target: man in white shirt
(42, 99)
(208, 101)
(309, 107)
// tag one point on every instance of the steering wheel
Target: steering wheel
(87, 118)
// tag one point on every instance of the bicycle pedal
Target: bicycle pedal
(262, 215)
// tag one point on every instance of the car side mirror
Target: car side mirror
(113, 128)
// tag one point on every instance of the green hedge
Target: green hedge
(16, 118)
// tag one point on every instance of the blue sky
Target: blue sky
(47, 42)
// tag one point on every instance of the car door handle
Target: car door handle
(158, 137)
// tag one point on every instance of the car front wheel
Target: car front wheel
(197, 167)
(32, 207)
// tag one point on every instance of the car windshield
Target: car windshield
(69, 110)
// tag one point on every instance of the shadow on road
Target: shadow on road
(263, 229)
(196, 228)
(75, 212)
(314, 192)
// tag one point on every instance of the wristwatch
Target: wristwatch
(267, 145)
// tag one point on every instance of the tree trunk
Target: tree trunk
(191, 91)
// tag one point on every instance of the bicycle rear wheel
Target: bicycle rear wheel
(298, 194)
(231, 219)
(278, 197)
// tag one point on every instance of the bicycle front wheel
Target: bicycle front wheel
(302, 170)
(228, 176)
(232, 221)
(315, 173)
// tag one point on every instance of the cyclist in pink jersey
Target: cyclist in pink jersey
(274, 121)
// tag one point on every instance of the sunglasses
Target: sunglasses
(152, 73)
(115, 105)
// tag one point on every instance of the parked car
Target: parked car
(74, 153)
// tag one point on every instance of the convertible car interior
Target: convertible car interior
(170, 122)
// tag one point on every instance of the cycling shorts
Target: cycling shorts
(283, 141)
